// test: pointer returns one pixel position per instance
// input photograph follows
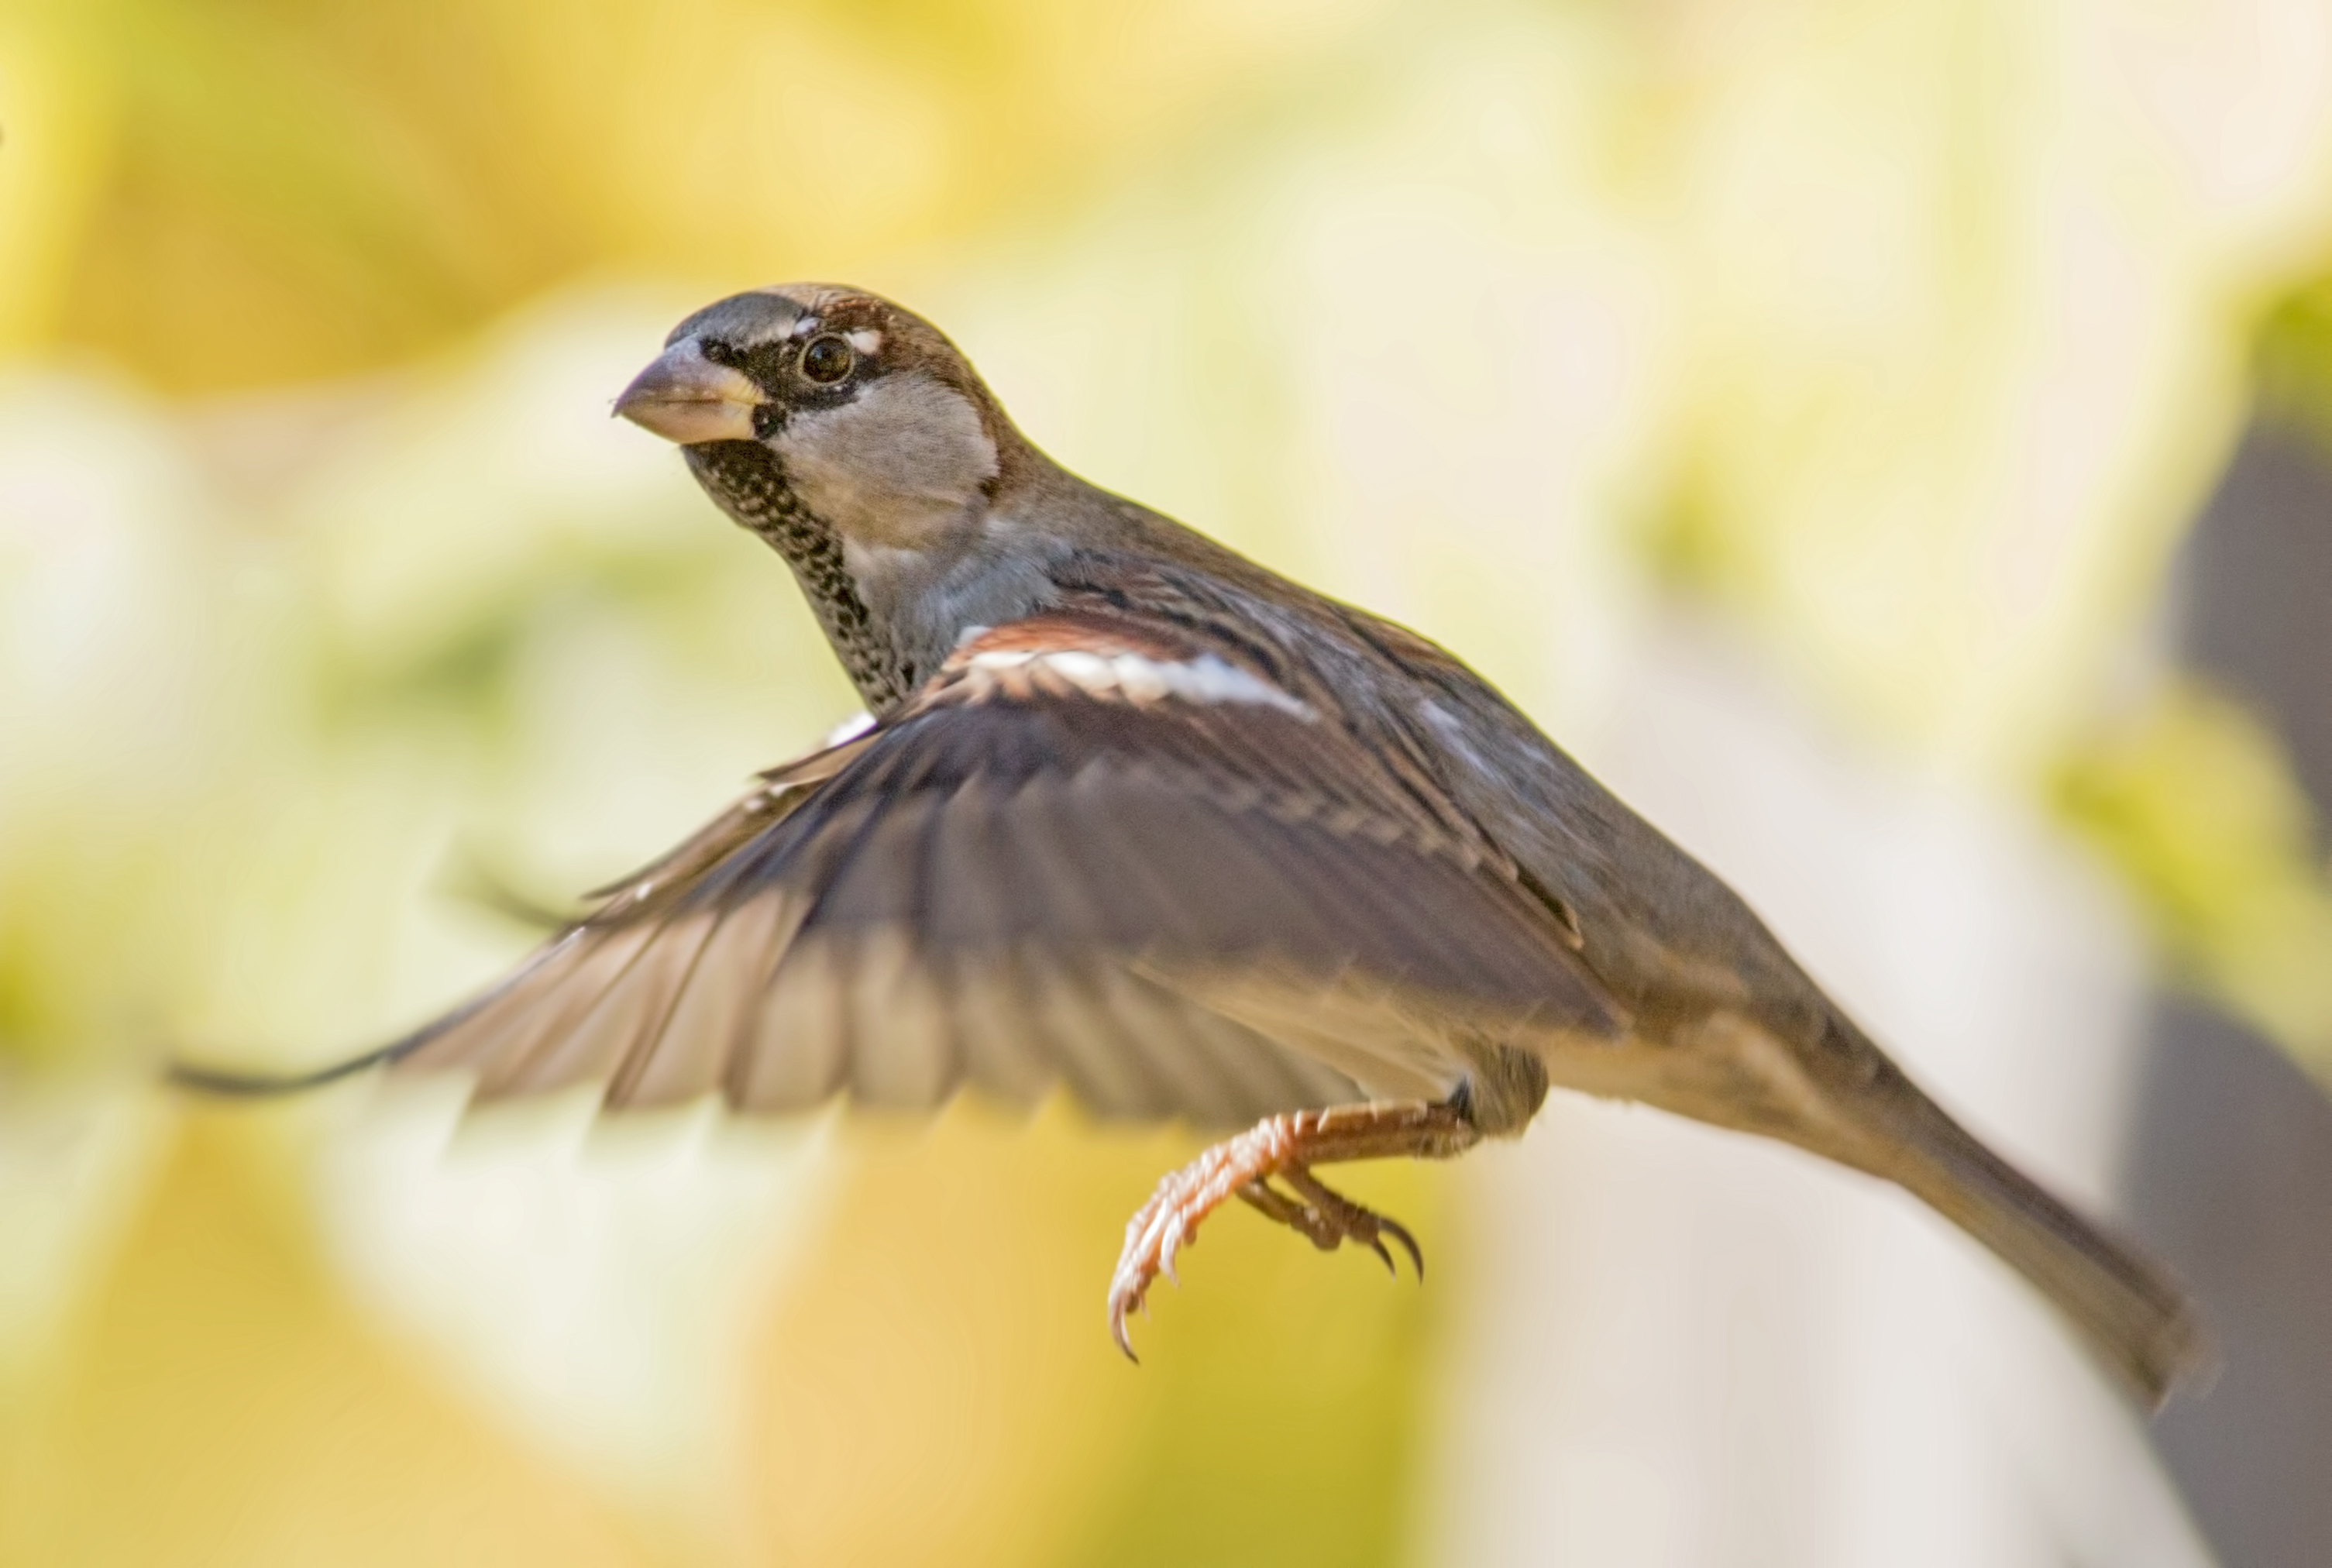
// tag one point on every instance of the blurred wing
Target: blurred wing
(1050, 867)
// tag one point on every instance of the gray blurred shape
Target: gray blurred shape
(2258, 579)
(2231, 1164)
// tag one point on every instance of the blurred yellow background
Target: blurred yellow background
(1901, 342)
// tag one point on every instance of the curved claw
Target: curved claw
(1399, 1232)
(1378, 1247)
(1126, 1292)
(1151, 1240)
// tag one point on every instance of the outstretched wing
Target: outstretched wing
(1088, 853)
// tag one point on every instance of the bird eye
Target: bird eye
(827, 359)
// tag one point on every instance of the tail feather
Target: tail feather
(2133, 1313)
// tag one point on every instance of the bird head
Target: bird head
(851, 434)
(878, 426)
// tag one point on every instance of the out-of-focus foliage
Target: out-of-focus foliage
(1909, 335)
(935, 1393)
(1918, 327)
(261, 193)
(2234, 888)
(2294, 368)
(2196, 802)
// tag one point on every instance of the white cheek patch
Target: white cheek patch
(1207, 680)
(883, 466)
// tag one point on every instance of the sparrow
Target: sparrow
(1140, 818)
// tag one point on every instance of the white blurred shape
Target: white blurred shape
(105, 638)
(74, 1169)
(495, 467)
(598, 1284)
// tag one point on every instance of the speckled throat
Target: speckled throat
(749, 482)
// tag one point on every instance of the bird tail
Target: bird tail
(2135, 1316)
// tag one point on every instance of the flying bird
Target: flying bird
(1139, 818)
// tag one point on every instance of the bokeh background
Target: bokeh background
(1886, 441)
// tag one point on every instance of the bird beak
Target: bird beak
(685, 397)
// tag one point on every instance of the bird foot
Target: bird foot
(1329, 1218)
(1281, 1147)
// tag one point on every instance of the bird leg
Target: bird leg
(1284, 1147)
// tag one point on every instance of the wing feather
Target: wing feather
(709, 1022)
(591, 1040)
(796, 1054)
(1171, 901)
(1065, 1005)
(1006, 1051)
